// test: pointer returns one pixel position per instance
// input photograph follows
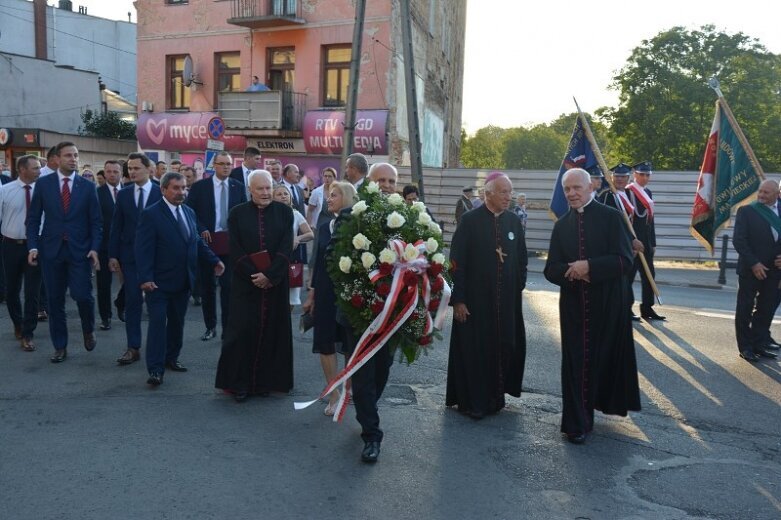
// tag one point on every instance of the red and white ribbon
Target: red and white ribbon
(643, 197)
(628, 207)
(383, 327)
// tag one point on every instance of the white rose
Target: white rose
(359, 207)
(395, 199)
(424, 219)
(419, 206)
(368, 259)
(411, 252)
(361, 242)
(432, 245)
(345, 264)
(395, 220)
(438, 258)
(373, 187)
(387, 256)
(434, 227)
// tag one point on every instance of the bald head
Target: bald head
(768, 192)
(385, 175)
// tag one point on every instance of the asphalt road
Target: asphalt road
(87, 439)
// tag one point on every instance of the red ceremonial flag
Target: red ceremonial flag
(702, 211)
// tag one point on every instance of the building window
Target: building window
(178, 93)
(336, 74)
(228, 70)
(281, 68)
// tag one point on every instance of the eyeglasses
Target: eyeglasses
(222, 164)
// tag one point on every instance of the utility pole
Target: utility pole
(413, 126)
(355, 71)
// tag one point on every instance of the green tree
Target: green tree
(666, 109)
(484, 149)
(537, 148)
(107, 125)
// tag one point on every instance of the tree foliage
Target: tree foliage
(108, 125)
(666, 108)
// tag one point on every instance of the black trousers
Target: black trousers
(103, 281)
(756, 303)
(209, 284)
(368, 383)
(648, 293)
(18, 271)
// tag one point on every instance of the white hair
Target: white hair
(578, 172)
(265, 174)
(378, 165)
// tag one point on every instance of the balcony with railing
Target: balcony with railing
(259, 14)
(270, 113)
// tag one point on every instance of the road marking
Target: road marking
(729, 316)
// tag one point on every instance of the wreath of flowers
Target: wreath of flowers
(380, 240)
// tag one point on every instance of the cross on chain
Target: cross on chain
(501, 254)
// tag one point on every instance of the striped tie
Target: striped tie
(66, 194)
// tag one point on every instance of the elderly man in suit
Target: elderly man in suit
(107, 196)
(757, 240)
(131, 201)
(212, 199)
(68, 245)
(168, 248)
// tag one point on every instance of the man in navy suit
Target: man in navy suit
(241, 173)
(168, 248)
(212, 199)
(107, 196)
(131, 201)
(757, 240)
(290, 178)
(68, 245)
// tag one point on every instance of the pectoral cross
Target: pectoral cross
(501, 254)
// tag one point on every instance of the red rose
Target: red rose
(438, 284)
(434, 270)
(356, 300)
(433, 305)
(407, 295)
(410, 279)
(377, 306)
(383, 289)
(414, 316)
(425, 340)
(386, 269)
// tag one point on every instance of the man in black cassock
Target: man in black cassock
(257, 352)
(488, 343)
(589, 257)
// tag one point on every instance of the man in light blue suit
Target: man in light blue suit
(168, 248)
(67, 246)
(131, 201)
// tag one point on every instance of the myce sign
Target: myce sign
(182, 132)
(324, 132)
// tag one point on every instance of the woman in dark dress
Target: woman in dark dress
(257, 353)
(321, 300)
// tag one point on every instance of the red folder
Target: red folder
(261, 260)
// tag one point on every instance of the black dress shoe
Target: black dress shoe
(209, 334)
(59, 356)
(196, 301)
(772, 345)
(42, 316)
(749, 355)
(155, 379)
(371, 451)
(105, 325)
(576, 438)
(175, 366)
(651, 315)
(121, 315)
(635, 317)
(240, 397)
(765, 353)
(90, 341)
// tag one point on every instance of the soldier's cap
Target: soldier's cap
(467, 189)
(595, 171)
(644, 167)
(621, 169)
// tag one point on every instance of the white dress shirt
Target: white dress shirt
(145, 188)
(13, 209)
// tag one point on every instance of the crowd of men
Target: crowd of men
(167, 234)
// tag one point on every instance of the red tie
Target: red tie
(66, 195)
(27, 189)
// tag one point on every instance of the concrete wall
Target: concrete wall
(32, 94)
(76, 40)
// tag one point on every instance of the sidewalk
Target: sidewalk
(671, 273)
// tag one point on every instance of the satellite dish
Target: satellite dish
(187, 73)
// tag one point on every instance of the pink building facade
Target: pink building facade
(198, 58)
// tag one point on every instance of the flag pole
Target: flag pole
(601, 160)
(715, 85)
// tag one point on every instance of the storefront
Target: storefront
(16, 142)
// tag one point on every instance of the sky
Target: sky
(526, 59)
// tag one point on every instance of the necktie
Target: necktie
(115, 194)
(140, 204)
(27, 189)
(295, 194)
(182, 225)
(66, 194)
(223, 224)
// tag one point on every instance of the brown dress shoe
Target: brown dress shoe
(17, 332)
(28, 345)
(90, 341)
(59, 356)
(130, 356)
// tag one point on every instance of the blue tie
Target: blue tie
(182, 225)
(140, 201)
